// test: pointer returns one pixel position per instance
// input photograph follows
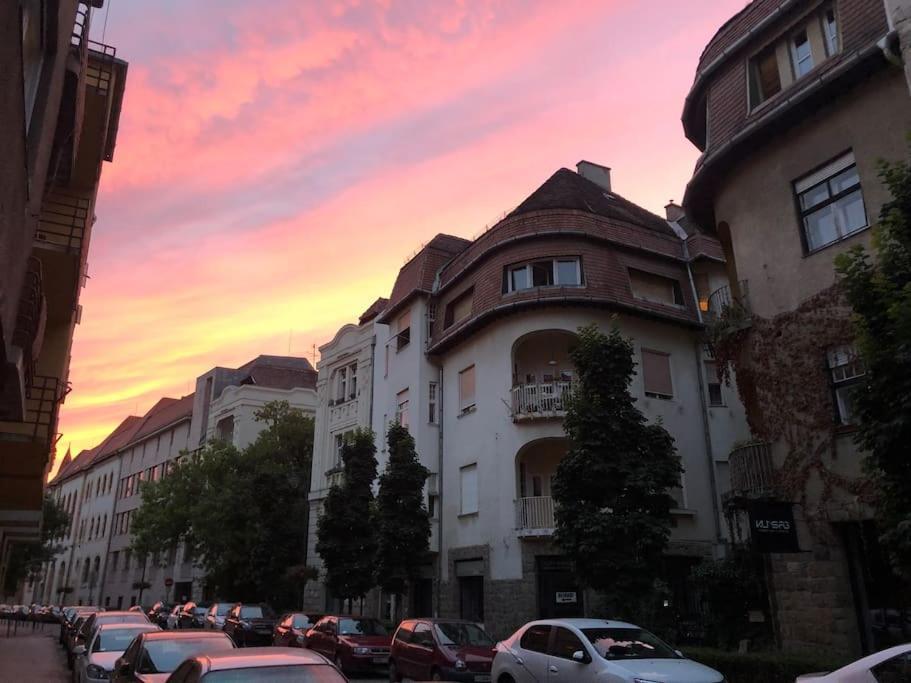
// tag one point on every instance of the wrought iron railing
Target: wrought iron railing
(535, 513)
(42, 401)
(541, 399)
(752, 470)
(725, 303)
(31, 317)
(65, 218)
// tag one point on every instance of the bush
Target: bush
(762, 667)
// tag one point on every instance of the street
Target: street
(32, 656)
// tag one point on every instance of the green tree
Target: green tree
(26, 559)
(346, 537)
(879, 291)
(611, 498)
(241, 514)
(402, 521)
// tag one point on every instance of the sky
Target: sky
(278, 162)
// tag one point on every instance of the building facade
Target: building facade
(793, 106)
(60, 99)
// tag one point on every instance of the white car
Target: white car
(585, 650)
(889, 666)
(108, 642)
(173, 618)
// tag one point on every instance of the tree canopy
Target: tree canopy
(242, 514)
(879, 291)
(611, 499)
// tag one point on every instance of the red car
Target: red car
(441, 650)
(353, 643)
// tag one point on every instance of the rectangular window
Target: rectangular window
(339, 444)
(468, 486)
(831, 203)
(801, 55)
(568, 272)
(830, 31)
(466, 389)
(701, 280)
(655, 288)
(656, 374)
(403, 330)
(459, 308)
(401, 408)
(847, 371)
(341, 383)
(563, 272)
(765, 81)
(678, 493)
(713, 384)
(432, 403)
(352, 381)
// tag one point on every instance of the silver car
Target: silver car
(584, 650)
(107, 643)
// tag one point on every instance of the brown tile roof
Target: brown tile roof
(567, 189)
(419, 273)
(120, 437)
(281, 378)
(165, 412)
(735, 27)
(373, 310)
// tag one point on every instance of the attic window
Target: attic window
(560, 272)
(765, 81)
(459, 308)
(655, 288)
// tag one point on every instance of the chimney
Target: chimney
(673, 211)
(598, 174)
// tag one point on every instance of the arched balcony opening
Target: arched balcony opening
(542, 375)
(536, 467)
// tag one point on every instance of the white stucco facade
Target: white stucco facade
(232, 415)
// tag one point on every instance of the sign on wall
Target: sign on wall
(772, 527)
(566, 597)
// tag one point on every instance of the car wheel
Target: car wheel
(394, 675)
(506, 678)
(435, 675)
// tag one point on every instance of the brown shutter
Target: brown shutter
(656, 372)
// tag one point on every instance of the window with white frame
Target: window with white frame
(847, 371)
(341, 383)
(352, 381)
(468, 487)
(403, 330)
(559, 272)
(678, 493)
(655, 288)
(831, 203)
(713, 384)
(401, 408)
(830, 31)
(656, 374)
(432, 402)
(801, 54)
(340, 441)
(466, 389)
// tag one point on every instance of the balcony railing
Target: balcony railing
(31, 318)
(540, 399)
(730, 306)
(752, 471)
(535, 516)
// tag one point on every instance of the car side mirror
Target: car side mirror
(581, 656)
(79, 650)
(679, 654)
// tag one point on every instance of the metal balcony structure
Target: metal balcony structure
(535, 516)
(752, 471)
(732, 307)
(540, 400)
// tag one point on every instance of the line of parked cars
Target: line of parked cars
(33, 612)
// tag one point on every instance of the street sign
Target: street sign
(564, 597)
(772, 527)
(168, 582)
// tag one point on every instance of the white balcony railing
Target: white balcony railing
(535, 516)
(541, 399)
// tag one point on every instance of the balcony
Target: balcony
(535, 516)
(540, 400)
(752, 471)
(730, 307)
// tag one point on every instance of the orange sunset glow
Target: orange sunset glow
(277, 162)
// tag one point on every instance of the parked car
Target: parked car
(158, 613)
(172, 618)
(70, 614)
(153, 655)
(260, 664)
(291, 629)
(95, 659)
(250, 624)
(441, 650)
(192, 615)
(592, 650)
(215, 615)
(353, 643)
(73, 636)
(892, 665)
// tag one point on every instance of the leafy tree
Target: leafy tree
(880, 294)
(241, 514)
(402, 521)
(346, 539)
(26, 559)
(611, 498)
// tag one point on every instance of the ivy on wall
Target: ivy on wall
(783, 381)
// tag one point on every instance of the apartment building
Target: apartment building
(60, 100)
(472, 354)
(793, 105)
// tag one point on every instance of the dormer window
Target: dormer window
(655, 289)
(764, 78)
(801, 54)
(830, 29)
(559, 272)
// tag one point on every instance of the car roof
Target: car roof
(182, 635)
(127, 626)
(117, 613)
(249, 657)
(581, 623)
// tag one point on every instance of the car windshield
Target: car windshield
(628, 643)
(361, 627)
(163, 656)
(254, 612)
(454, 633)
(303, 673)
(114, 639)
(200, 610)
(131, 618)
(301, 621)
(222, 608)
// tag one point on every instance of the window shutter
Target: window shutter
(469, 489)
(656, 372)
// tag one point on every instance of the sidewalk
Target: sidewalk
(32, 657)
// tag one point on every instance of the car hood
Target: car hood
(105, 659)
(369, 641)
(472, 653)
(670, 670)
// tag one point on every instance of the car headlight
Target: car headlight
(361, 650)
(95, 671)
(459, 664)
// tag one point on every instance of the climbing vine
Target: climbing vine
(783, 381)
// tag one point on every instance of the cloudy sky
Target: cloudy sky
(277, 162)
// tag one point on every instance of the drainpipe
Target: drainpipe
(706, 431)
(440, 414)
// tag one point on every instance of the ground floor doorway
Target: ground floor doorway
(559, 594)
